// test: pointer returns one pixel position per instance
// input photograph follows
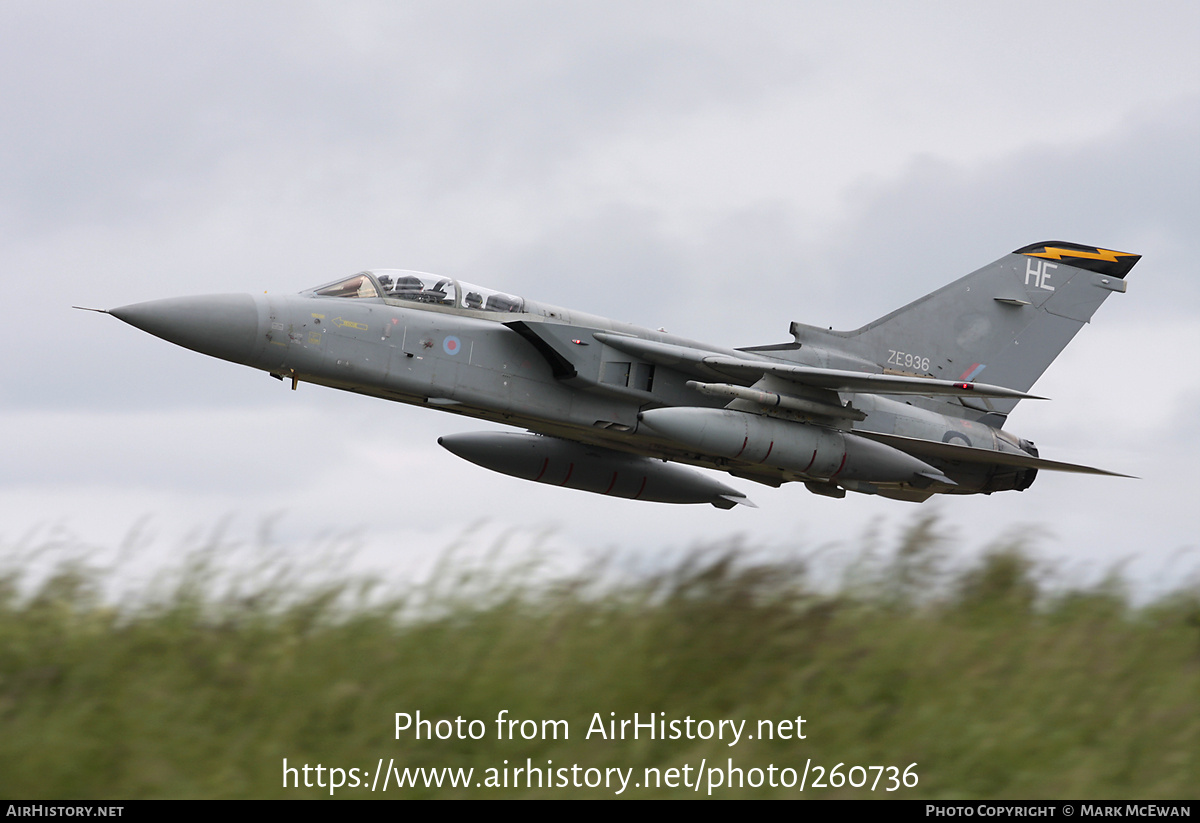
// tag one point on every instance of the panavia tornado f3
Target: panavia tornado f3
(895, 408)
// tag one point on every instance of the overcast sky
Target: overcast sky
(626, 159)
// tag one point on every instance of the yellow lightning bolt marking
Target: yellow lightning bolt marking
(1055, 253)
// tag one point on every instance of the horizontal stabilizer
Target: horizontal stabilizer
(934, 477)
(970, 454)
(735, 500)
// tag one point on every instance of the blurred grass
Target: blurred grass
(993, 685)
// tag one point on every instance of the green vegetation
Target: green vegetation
(992, 685)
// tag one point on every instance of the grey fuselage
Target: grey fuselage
(545, 369)
(893, 408)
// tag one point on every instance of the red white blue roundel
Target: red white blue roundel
(451, 345)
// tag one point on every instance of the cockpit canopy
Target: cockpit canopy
(419, 287)
(360, 285)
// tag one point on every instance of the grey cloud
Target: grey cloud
(129, 108)
(1136, 190)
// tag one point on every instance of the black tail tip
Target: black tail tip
(1093, 258)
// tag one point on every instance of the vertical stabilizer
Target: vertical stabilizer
(1003, 324)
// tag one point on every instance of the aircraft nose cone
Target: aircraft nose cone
(220, 325)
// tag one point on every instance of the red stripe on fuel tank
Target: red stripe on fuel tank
(810, 462)
(570, 469)
(641, 489)
(613, 483)
(842, 466)
(545, 465)
(768, 454)
(745, 440)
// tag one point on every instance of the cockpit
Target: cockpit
(395, 285)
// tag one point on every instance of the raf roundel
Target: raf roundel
(451, 345)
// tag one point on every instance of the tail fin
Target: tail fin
(1003, 324)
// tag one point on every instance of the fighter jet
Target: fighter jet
(896, 408)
